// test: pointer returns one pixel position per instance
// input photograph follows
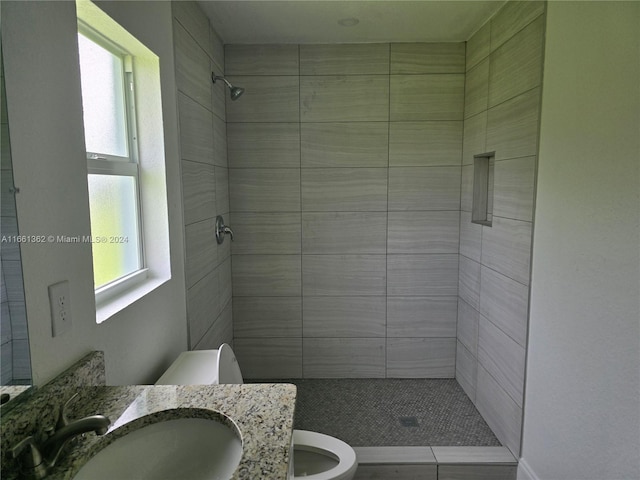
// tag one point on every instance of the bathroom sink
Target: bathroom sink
(193, 448)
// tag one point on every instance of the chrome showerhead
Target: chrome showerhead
(234, 92)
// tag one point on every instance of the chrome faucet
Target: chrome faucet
(44, 456)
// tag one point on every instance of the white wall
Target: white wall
(582, 406)
(45, 114)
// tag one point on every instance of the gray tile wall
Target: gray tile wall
(502, 97)
(203, 149)
(15, 364)
(344, 179)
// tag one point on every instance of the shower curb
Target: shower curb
(436, 463)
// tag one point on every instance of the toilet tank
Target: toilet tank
(203, 367)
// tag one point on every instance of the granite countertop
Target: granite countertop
(263, 414)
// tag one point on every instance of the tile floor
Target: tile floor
(390, 412)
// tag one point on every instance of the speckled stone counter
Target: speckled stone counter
(262, 413)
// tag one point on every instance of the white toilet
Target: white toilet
(316, 456)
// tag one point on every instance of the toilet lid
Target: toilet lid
(228, 370)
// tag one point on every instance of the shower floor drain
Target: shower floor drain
(409, 421)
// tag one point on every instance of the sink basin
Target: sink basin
(193, 448)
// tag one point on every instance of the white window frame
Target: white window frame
(99, 163)
(152, 163)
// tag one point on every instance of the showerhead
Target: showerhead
(234, 92)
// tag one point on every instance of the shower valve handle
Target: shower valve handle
(222, 229)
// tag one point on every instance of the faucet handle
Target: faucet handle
(33, 462)
(62, 417)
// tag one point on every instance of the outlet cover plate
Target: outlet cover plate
(60, 303)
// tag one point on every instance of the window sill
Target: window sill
(107, 308)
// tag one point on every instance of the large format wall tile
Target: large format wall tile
(357, 98)
(422, 144)
(421, 316)
(409, 58)
(513, 188)
(344, 232)
(344, 357)
(478, 46)
(266, 275)
(344, 59)
(217, 50)
(350, 144)
(469, 281)
(470, 237)
(193, 77)
(476, 89)
(427, 97)
(225, 282)
(506, 248)
(505, 302)
(261, 60)
(220, 332)
(512, 18)
(194, 21)
(196, 128)
(499, 410)
(502, 358)
(466, 186)
(265, 233)
(11, 250)
(467, 329)
(219, 94)
(421, 357)
(343, 274)
(422, 274)
(424, 188)
(200, 250)
(263, 145)
(516, 66)
(222, 189)
(219, 142)
(423, 232)
(502, 105)
(466, 370)
(264, 190)
(269, 357)
(203, 306)
(344, 189)
(266, 99)
(260, 317)
(475, 137)
(198, 191)
(344, 316)
(512, 126)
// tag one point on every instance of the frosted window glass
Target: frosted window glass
(103, 99)
(114, 227)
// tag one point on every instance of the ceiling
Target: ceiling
(316, 21)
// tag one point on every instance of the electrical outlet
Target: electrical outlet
(60, 302)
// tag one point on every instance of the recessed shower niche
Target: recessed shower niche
(482, 208)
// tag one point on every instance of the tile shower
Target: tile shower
(16, 361)
(346, 173)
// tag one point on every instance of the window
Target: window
(126, 157)
(112, 161)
